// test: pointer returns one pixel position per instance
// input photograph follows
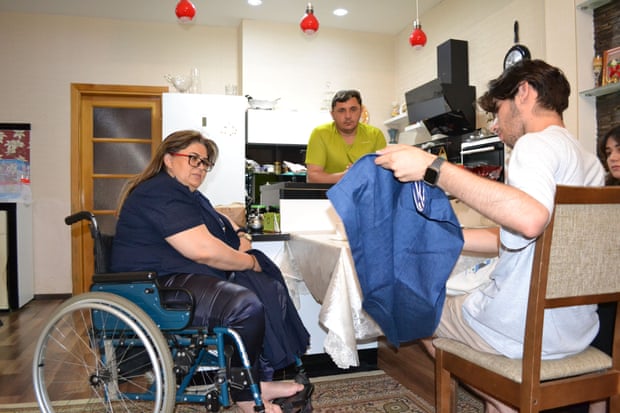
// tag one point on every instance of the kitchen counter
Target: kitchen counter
(266, 237)
(271, 194)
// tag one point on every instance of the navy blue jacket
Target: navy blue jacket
(403, 254)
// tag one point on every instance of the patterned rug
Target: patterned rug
(368, 392)
(377, 393)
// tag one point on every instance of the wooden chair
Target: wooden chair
(576, 262)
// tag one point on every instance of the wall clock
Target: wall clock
(517, 52)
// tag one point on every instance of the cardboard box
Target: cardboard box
(235, 211)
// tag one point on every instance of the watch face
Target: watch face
(431, 176)
(516, 54)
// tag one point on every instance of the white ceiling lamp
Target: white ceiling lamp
(185, 11)
(309, 24)
(340, 12)
(417, 38)
(255, 2)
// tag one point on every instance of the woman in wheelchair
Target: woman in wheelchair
(166, 225)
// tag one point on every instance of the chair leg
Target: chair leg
(614, 404)
(445, 387)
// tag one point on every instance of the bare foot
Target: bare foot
(248, 407)
(271, 390)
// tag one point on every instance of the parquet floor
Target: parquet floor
(18, 337)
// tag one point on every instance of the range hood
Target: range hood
(449, 98)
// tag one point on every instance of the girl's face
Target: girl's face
(612, 153)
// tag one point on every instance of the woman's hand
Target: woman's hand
(244, 244)
(255, 265)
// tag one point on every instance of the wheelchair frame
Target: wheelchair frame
(134, 353)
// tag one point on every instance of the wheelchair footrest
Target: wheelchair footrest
(239, 378)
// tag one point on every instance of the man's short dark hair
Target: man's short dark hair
(549, 81)
(344, 95)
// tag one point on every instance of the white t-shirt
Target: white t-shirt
(539, 161)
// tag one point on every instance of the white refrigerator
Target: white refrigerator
(222, 119)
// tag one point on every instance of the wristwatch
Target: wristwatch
(431, 176)
(242, 232)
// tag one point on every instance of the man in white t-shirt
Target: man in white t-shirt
(528, 100)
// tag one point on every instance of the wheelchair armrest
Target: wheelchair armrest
(116, 277)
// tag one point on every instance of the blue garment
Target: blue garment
(403, 254)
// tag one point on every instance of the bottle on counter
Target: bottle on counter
(277, 168)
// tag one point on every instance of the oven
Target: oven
(484, 156)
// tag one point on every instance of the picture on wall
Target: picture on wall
(15, 141)
(611, 66)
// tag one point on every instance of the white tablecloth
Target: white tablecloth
(323, 264)
(326, 266)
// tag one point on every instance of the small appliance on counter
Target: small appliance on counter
(256, 219)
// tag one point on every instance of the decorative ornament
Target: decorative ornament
(417, 38)
(597, 68)
(185, 11)
(309, 24)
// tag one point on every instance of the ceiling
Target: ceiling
(379, 16)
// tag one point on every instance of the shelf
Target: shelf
(590, 5)
(602, 91)
(398, 122)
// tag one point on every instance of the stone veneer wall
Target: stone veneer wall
(607, 36)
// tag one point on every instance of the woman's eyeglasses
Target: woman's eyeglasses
(195, 161)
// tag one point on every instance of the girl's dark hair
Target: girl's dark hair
(550, 83)
(175, 142)
(614, 134)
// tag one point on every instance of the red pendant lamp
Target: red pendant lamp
(309, 24)
(417, 38)
(185, 11)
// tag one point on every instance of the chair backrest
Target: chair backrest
(578, 252)
(102, 243)
(103, 252)
(576, 260)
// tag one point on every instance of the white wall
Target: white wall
(43, 55)
(278, 61)
(553, 30)
(487, 26)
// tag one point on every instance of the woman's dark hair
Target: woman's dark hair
(344, 95)
(550, 83)
(175, 142)
(613, 134)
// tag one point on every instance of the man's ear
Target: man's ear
(525, 92)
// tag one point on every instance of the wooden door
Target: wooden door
(114, 131)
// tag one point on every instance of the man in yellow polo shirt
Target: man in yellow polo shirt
(335, 146)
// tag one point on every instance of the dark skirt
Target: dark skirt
(286, 338)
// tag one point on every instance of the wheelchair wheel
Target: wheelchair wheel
(103, 353)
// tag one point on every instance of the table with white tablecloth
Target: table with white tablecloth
(323, 262)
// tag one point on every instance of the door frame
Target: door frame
(80, 235)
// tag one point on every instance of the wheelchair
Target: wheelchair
(119, 348)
